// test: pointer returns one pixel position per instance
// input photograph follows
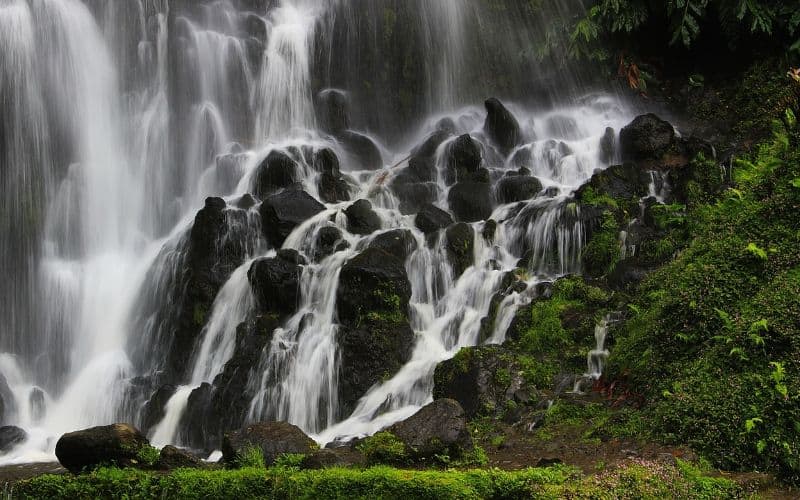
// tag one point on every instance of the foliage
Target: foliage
(148, 455)
(252, 456)
(384, 448)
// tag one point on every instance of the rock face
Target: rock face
(471, 201)
(464, 158)
(608, 145)
(432, 219)
(272, 438)
(329, 241)
(460, 247)
(362, 150)
(281, 213)
(172, 458)
(514, 188)
(111, 444)
(372, 282)
(501, 126)
(276, 172)
(437, 429)
(276, 282)
(362, 219)
(155, 410)
(333, 111)
(333, 187)
(646, 137)
(11, 436)
(397, 242)
(628, 181)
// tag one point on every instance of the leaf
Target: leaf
(757, 251)
(751, 423)
(796, 183)
(761, 445)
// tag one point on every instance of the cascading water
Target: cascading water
(120, 121)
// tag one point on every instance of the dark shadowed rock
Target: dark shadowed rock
(362, 150)
(117, 444)
(646, 137)
(460, 247)
(432, 218)
(281, 213)
(471, 201)
(326, 161)
(333, 187)
(501, 126)
(11, 436)
(413, 194)
(463, 160)
(397, 242)
(276, 172)
(362, 219)
(172, 458)
(626, 181)
(154, 409)
(374, 282)
(329, 241)
(439, 428)
(512, 189)
(332, 111)
(7, 404)
(608, 145)
(272, 438)
(276, 282)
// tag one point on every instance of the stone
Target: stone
(431, 219)
(277, 171)
(460, 244)
(281, 213)
(272, 438)
(501, 126)
(646, 137)
(117, 444)
(471, 201)
(362, 219)
(440, 428)
(513, 189)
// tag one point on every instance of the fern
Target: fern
(686, 15)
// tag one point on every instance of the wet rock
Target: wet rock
(362, 150)
(333, 186)
(563, 127)
(512, 189)
(246, 202)
(460, 241)
(471, 201)
(117, 444)
(482, 379)
(628, 181)
(155, 408)
(463, 160)
(428, 148)
(646, 137)
(7, 405)
(439, 428)
(489, 229)
(272, 438)
(608, 145)
(446, 125)
(276, 284)
(523, 158)
(172, 458)
(361, 219)
(281, 213)
(326, 161)
(501, 126)
(373, 282)
(327, 458)
(333, 111)
(431, 219)
(329, 241)
(397, 242)
(413, 195)
(276, 172)
(11, 436)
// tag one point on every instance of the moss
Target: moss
(148, 455)
(384, 448)
(602, 253)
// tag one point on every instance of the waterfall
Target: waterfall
(121, 119)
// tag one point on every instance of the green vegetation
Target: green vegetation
(634, 480)
(384, 448)
(148, 455)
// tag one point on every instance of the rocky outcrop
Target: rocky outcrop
(374, 282)
(362, 219)
(432, 219)
(276, 282)
(273, 439)
(415, 185)
(117, 444)
(647, 137)
(172, 458)
(460, 244)
(471, 201)
(281, 213)
(398, 242)
(515, 188)
(329, 241)
(501, 126)
(277, 171)
(464, 159)
(333, 114)
(333, 186)
(439, 428)
(11, 436)
(155, 408)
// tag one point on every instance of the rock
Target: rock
(11, 436)
(7, 405)
(362, 150)
(277, 171)
(413, 195)
(154, 409)
(439, 428)
(361, 219)
(489, 230)
(471, 201)
(373, 282)
(245, 202)
(326, 162)
(276, 283)
(327, 458)
(446, 124)
(397, 242)
(281, 213)
(512, 189)
(608, 145)
(501, 126)
(117, 444)
(628, 182)
(563, 127)
(646, 137)
(428, 148)
(460, 244)
(272, 438)
(431, 219)
(482, 379)
(333, 189)
(463, 159)
(172, 458)
(333, 111)
(329, 241)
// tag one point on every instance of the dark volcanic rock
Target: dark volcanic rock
(464, 159)
(362, 150)
(117, 444)
(329, 241)
(276, 172)
(272, 438)
(432, 218)
(512, 189)
(361, 219)
(372, 282)
(333, 187)
(501, 126)
(439, 428)
(471, 201)
(172, 458)
(460, 247)
(154, 410)
(397, 242)
(646, 137)
(608, 145)
(333, 111)
(11, 436)
(413, 195)
(281, 213)
(276, 282)
(628, 181)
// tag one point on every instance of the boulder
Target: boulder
(117, 444)
(439, 428)
(11, 436)
(646, 137)
(501, 126)
(155, 408)
(471, 201)
(277, 171)
(362, 150)
(397, 242)
(276, 282)
(7, 403)
(515, 188)
(333, 189)
(431, 219)
(413, 195)
(460, 244)
(272, 438)
(329, 241)
(362, 219)
(628, 181)
(463, 159)
(327, 458)
(608, 145)
(281, 213)
(333, 111)
(172, 458)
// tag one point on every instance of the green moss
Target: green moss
(148, 455)
(384, 448)
(602, 253)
